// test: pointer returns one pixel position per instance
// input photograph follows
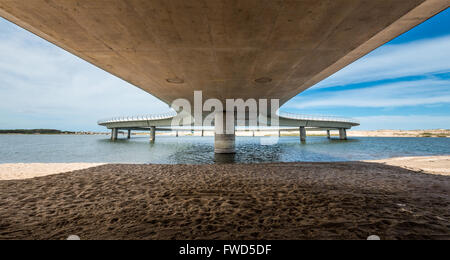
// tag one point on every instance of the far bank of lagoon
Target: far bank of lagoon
(355, 133)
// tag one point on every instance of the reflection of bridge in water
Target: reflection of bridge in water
(286, 122)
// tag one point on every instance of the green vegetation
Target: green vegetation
(427, 134)
(35, 131)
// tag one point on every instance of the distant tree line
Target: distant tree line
(35, 131)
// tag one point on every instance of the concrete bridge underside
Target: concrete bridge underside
(229, 49)
(226, 48)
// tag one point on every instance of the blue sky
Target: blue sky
(404, 84)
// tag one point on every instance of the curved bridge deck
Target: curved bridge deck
(285, 122)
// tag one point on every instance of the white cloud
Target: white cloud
(40, 80)
(422, 57)
(399, 94)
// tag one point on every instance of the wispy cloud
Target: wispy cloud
(46, 83)
(424, 57)
(399, 94)
(393, 79)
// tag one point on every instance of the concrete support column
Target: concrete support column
(203, 133)
(279, 133)
(177, 134)
(114, 134)
(152, 134)
(129, 134)
(343, 134)
(225, 135)
(328, 134)
(302, 134)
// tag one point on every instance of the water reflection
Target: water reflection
(224, 158)
(200, 150)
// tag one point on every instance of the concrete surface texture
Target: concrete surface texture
(227, 49)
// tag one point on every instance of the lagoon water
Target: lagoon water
(200, 150)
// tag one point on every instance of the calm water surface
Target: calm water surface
(200, 150)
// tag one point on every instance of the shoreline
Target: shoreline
(22, 171)
(431, 133)
(56, 134)
(438, 165)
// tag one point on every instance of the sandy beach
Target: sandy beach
(427, 164)
(20, 171)
(350, 200)
(443, 133)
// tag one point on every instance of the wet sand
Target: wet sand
(349, 200)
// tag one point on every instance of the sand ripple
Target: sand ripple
(265, 201)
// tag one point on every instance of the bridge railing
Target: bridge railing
(318, 118)
(170, 115)
(150, 117)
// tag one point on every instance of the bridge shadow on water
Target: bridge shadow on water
(200, 150)
(224, 158)
(250, 150)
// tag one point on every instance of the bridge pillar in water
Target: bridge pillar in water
(302, 134)
(328, 134)
(203, 133)
(152, 134)
(225, 133)
(343, 134)
(129, 134)
(114, 134)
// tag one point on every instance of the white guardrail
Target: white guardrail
(170, 115)
(318, 118)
